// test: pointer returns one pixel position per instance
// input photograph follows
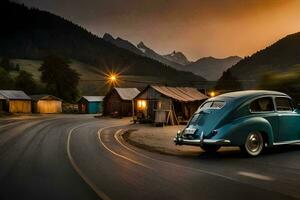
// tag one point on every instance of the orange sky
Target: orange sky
(196, 27)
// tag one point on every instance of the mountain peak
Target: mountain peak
(177, 57)
(141, 45)
(108, 37)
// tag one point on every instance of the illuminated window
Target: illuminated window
(141, 104)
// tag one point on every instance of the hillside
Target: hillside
(150, 53)
(119, 42)
(33, 34)
(279, 57)
(211, 68)
(92, 79)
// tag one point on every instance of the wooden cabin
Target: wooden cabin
(2, 100)
(119, 102)
(91, 104)
(167, 105)
(15, 101)
(46, 104)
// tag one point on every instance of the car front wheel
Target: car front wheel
(254, 144)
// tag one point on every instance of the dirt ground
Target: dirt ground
(158, 139)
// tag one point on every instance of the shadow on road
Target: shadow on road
(236, 153)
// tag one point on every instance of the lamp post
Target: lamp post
(112, 79)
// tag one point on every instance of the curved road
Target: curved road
(80, 157)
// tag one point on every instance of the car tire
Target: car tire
(210, 148)
(254, 144)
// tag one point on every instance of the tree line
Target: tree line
(57, 78)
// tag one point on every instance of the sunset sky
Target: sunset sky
(198, 28)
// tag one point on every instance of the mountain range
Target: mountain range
(29, 33)
(212, 68)
(209, 67)
(32, 34)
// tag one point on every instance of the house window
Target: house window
(141, 104)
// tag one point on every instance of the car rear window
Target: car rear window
(213, 104)
(284, 104)
(264, 104)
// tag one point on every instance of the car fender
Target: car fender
(238, 130)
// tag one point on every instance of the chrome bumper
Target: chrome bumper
(178, 140)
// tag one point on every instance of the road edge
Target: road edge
(126, 137)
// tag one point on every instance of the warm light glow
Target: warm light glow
(112, 78)
(141, 104)
(212, 94)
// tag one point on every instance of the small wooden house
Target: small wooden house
(2, 99)
(15, 101)
(167, 105)
(46, 104)
(119, 102)
(90, 104)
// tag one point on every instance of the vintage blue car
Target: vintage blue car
(251, 119)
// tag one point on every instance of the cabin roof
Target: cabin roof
(185, 94)
(93, 98)
(14, 94)
(127, 93)
(44, 97)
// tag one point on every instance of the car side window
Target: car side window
(264, 104)
(284, 104)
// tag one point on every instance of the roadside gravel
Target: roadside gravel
(158, 139)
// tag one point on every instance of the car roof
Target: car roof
(247, 94)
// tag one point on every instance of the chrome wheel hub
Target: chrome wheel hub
(254, 143)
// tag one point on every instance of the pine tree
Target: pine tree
(60, 79)
(24, 81)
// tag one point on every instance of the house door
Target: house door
(83, 108)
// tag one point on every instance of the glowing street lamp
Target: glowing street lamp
(212, 94)
(112, 78)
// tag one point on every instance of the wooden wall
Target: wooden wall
(157, 101)
(113, 103)
(48, 106)
(19, 106)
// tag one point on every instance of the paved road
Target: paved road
(76, 157)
